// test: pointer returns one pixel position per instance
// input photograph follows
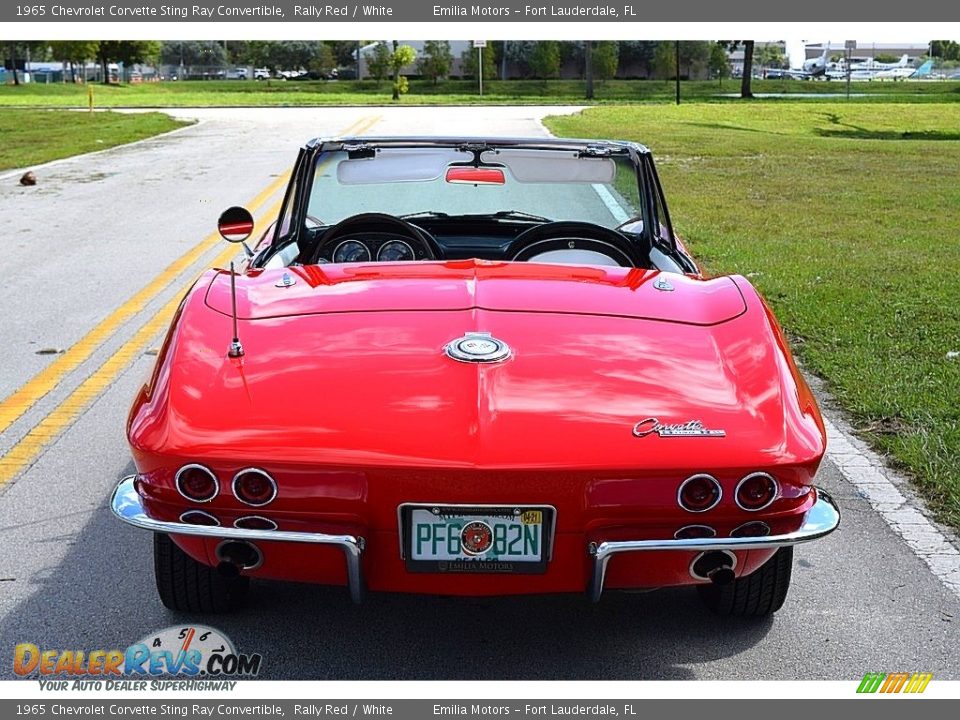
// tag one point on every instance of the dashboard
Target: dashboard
(376, 237)
(370, 246)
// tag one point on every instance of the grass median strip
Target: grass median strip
(31, 137)
(845, 217)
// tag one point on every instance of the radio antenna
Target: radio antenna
(236, 349)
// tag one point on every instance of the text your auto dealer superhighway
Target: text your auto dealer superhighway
(171, 11)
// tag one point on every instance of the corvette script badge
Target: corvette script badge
(691, 428)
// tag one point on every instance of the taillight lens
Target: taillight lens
(752, 529)
(254, 487)
(691, 532)
(199, 517)
(756, 491)
(255, 522)
(197, 483)
(699, 493)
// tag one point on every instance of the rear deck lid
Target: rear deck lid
(470, 284)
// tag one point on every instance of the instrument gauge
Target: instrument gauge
(395, 251)
(351, 251)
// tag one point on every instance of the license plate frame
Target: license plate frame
(477, 567)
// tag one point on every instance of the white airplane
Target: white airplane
(815, 67)
(869, 69)
(872, 64)
(903, 73)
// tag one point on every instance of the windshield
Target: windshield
(445, 181)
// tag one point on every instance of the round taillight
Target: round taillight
(756, 491)
(692, 532)
(751, 529)
(199, 517)
(254, 522)
(254, 487)
(699, 493)
(197, 483)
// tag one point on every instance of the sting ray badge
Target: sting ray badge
(477, 347)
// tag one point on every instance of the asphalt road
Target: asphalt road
(97, 229)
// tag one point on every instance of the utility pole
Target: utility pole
(480, 45)
(588, 67)
(849, 46)
(677, 53)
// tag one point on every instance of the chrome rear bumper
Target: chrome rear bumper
(127, 505)
(822, 519)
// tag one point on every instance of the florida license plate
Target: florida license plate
(477, 539)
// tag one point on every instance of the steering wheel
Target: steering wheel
(379, 222)
(575, 235)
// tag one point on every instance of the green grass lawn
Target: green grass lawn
(31, 137)
(847, 218)
(452, 92)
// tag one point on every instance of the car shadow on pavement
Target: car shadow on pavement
(314, 632)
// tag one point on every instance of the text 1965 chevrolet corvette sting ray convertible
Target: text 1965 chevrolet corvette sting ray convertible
(474, 367)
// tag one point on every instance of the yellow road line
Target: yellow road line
(22, 399)
(364, 126)
(49, 428)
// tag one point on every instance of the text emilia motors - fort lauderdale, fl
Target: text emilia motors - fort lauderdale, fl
(315, 11)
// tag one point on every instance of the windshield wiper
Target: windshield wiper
(424, 213)
(519, 215)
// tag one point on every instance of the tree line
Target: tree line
(594, 61)
(542, 59)
(597, 61)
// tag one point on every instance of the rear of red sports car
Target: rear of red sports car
(475, 427)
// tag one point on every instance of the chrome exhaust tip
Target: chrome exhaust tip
(717, 566)
(239, 554)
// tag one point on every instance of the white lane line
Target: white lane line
(868, 473)
(615, 208)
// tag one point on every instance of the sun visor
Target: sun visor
(391, 165)
(551, 166)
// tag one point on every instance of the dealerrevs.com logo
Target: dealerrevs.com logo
(201, 654)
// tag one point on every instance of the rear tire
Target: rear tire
(186, 585)
(757, 595)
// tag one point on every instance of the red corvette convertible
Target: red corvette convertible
(474, 366)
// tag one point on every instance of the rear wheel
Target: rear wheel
(188, 586)
(759, 594)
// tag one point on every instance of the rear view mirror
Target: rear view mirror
(469, 175)
(235, 224)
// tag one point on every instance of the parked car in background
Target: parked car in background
(261, 74)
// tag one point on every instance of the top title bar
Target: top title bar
(615, 11)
